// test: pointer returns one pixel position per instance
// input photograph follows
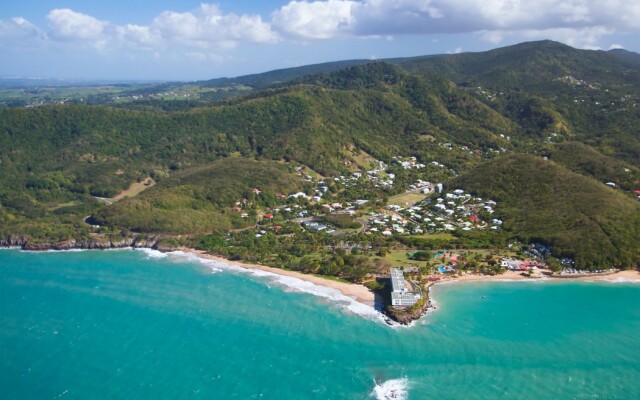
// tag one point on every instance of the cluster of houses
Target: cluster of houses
(519, 265)
(451, 211)
(455, 210)
(408, 163)
(576, 82)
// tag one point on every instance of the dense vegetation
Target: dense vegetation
(579, 217)
(60, 164)
(200, 200)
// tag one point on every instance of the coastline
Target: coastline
(358, 292)
(620, 276)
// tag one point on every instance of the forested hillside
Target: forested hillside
(463, 116)
(578, 216)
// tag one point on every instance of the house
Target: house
(400, 293)
(314, 226)
(298, 195)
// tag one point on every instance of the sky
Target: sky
(190, 40)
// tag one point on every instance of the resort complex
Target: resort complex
(401, 295)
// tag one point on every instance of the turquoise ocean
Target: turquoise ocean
(143, 325)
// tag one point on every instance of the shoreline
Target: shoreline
(356, 291)
(631, 276)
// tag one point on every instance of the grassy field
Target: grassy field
(405, 199)
(135, 189)
(399, 258)
(437, 236)
(360, 159)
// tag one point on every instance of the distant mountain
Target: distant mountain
(529, 66)
(625, 55)
(538, 60)
(265, 79)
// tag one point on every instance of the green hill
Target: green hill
(200, 199)
(578, 216)
(579, 108)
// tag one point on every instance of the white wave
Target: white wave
(192, 257)
(622, 280)
(396, 389)
(293, 284)
(56, 251)
(151, 253)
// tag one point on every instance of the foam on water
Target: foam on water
(396, 389)
(192, 257)
(295, 285)
(151, 253)
(622, 280)
(55, 251)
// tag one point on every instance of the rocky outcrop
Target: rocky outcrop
(93, 243)
(406, 315)
(13, 241)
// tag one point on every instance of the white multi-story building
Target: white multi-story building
(400, 294)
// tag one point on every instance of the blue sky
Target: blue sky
(190, 40)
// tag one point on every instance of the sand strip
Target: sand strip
(355, 291)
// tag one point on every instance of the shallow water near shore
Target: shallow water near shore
(133, 324)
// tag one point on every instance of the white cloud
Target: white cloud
(205, 27)
(20, 29)
(315, 20)
(493, 18)
(208, 26)
(580, 23)
(71, 25)
(616, 46)
(138, 36)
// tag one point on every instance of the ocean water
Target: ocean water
(141, 325)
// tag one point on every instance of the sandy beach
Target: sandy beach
(621, 276)
(358, 292)
(363, 295)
